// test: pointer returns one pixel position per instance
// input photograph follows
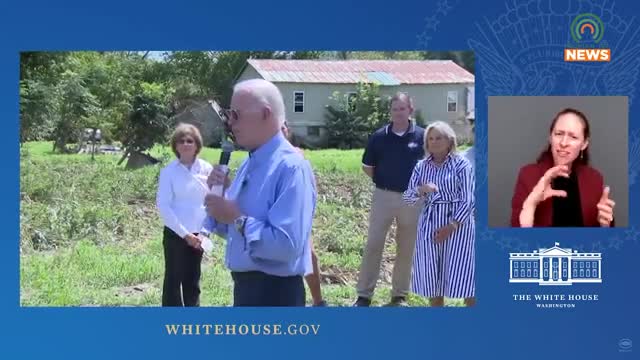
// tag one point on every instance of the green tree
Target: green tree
(44, 66)
(112, 77)
(353, 118)
(208, 74)
(228, 66)
(196, 67)
(305, 55)
(419, 118)
(39, 74)
(77, 106)
(147, 123)
(38, 106)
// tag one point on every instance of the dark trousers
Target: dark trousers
(256, 288)
(181, 271)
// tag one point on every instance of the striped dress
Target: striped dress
(448, 268)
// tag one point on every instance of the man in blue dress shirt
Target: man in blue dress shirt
(267, 212)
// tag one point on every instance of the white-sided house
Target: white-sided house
(441, 89)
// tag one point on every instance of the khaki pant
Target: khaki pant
(387, 206)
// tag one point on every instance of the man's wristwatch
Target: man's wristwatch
(239, 223)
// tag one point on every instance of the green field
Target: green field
(90, 234)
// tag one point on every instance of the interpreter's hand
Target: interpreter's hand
(193, 241)
(543, 190)
(605, 208)
(444, 232)
(223, 210)
(218, 177)
(427, 188)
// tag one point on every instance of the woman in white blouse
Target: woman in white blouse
(180, 200)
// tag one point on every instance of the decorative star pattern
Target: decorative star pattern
(443, 8)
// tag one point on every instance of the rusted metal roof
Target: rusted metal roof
(384, 72)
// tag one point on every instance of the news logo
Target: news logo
(584, 22)
(587, 30)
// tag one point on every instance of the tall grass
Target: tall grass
(90, 233)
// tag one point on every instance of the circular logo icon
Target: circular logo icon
(587, 23)
(625, 344)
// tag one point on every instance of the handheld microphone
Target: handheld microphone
(225, 156)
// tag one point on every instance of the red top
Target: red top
(590, 185)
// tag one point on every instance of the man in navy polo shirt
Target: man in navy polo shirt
(389, 159)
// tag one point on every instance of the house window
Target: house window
(564, 273)
(313, 130)
(546, 273)
(581, 265)
(535, 273)
(515, 264)
(521, 272)
(452, 101)
(575, 273)
(528, 273)
(351, 100)
(595, 265)
(594, 273)
(535, 265)
(581, 273)
(515, 273)
(588, 264)
(528, 265)
(298, 101)
(546, 264)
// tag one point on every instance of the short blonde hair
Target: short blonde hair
(183, 130)
(444, 129)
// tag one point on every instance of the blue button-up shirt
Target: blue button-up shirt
(275, 188)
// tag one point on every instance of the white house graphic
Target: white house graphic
(555, 266)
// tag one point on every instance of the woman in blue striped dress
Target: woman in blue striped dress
(444, 184)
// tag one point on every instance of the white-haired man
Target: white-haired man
(267, 211)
